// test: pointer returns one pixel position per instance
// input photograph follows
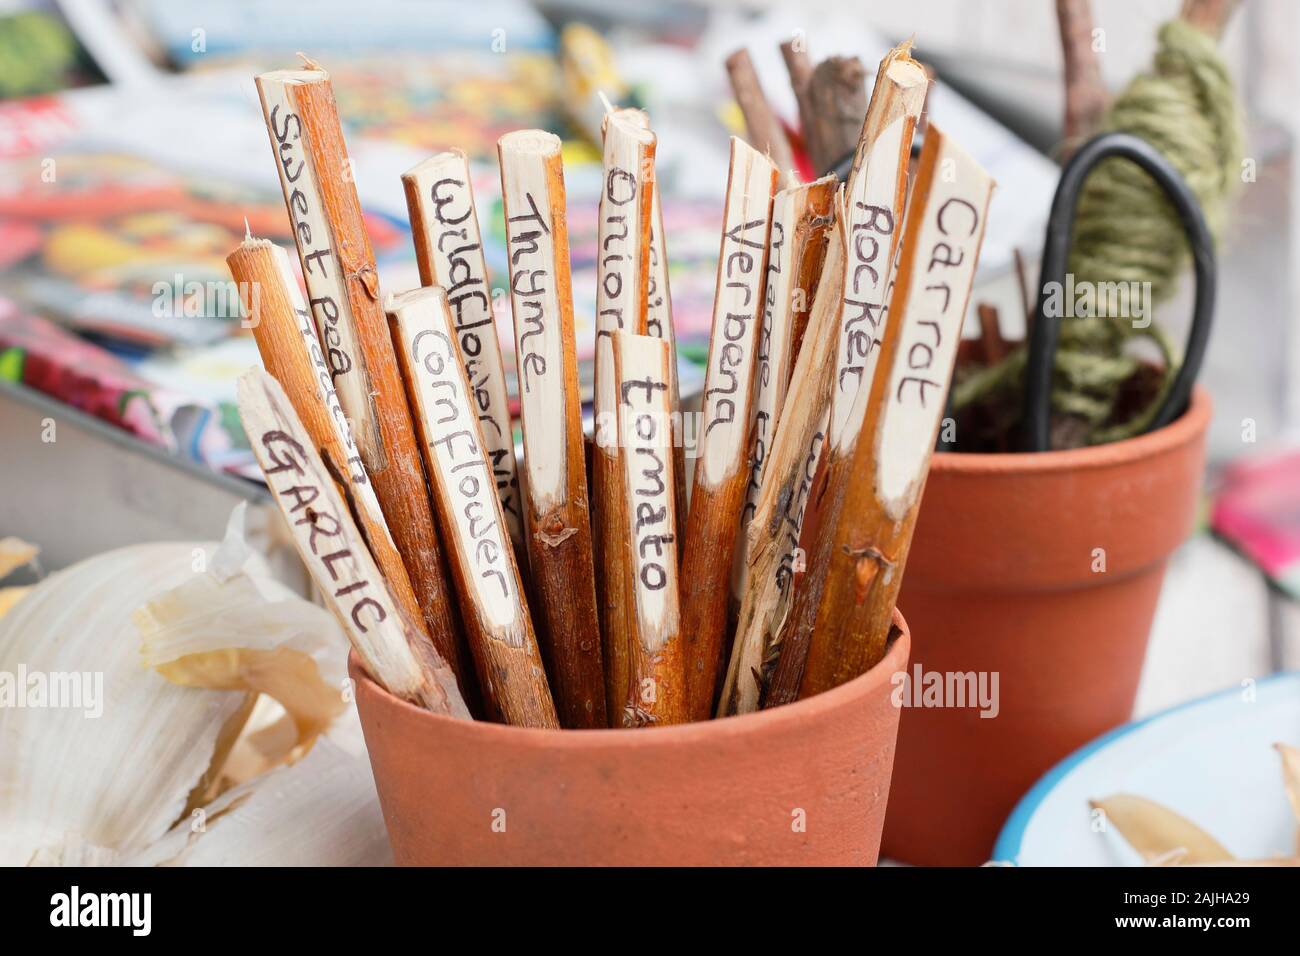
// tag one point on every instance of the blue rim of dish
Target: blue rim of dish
(1007, 849)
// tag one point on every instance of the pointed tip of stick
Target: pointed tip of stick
(248, 230)
(609, 107)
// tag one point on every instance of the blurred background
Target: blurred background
(133, 157)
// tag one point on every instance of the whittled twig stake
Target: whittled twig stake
(863, 567)
(297, 106)
(763, 129)
(655, 689)
(800, 68)
(809, 264)
(403, 661)
(659, 323)
(343, 291)
(774, 532)
(1209, 16)
(720, 472)
(622, 301)
(993, 346)
(875, 194)
(800, 218)
(292, 353)
(837, 100)
(555, 493)
(1085, 91)
(449, 251)
(497, 625)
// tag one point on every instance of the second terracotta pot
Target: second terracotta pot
(801, 784)
(1044, 570)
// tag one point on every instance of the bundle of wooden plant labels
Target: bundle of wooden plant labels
(562, 592)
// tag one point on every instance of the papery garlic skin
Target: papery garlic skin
(77, 788)
(322, 811)
(180, 640)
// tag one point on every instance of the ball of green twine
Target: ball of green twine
(1126, 230)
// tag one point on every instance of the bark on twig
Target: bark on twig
(556, 504)
(720, 473)
(1085, 93)
(765, 132)
(837, 99)
(622, 303)
(488, 586)
(339, 267)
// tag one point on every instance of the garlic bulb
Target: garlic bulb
(14, 553)
(147, 684)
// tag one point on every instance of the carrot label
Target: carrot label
(937, 268)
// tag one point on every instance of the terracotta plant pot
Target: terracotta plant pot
(802, 784)
(1004, 577)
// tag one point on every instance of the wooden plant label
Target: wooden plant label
(292, 353)
(497, 624)
(291, 349)
(800, 218)
(720, 473)
(737, 315)
(856, 572)
(656, 691)
(934, 286)
(623, 267)
(449, 250)
(556, 510)
(877, 190)
(790, 561)
(623, 263)
(659, 323)
(335, 554)
(280, 91)
(773, 534)
(343, 291)
(529, 173)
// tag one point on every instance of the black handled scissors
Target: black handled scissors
(1045, 333)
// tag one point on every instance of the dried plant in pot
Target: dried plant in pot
(1042, 568)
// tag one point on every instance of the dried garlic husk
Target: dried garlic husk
(14, 553)
(237, 628)
(1165, 838)
(83, 784)
(9, 597)
(1159, 834)
(174, 650)
(321, 811)
(1291, 780)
